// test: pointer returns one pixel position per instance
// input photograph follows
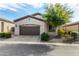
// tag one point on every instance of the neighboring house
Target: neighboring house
(30, 25)
(72, 26)
(6, 25)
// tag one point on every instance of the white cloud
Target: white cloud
(5, 6)
(14, 5)
(37, 3)
(13, 9)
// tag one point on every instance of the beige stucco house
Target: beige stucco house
(30, 25)
(71, 26)
(6, 25)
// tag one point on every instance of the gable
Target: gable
(34, 16)
(30, 21)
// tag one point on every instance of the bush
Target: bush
(70, 37)
(5, 35)
(2, 35)
(44, 37)
(78, 35)
(74, 35)
(69, 32)
(60, 32)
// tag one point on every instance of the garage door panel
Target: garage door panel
(29, 30)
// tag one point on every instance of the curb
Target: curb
(42, 43)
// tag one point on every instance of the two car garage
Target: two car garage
(30, 30)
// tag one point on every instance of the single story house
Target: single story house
(30, 25)
(6, 25)
(72, 26)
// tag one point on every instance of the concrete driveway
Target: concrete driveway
(37, 50)
(25, 38)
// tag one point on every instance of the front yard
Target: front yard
(49, 37)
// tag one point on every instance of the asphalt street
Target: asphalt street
(37, 50)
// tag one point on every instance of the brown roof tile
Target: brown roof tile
(6, 20)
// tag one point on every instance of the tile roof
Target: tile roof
(31, 16)
(6, 20)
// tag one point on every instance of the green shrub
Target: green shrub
(70, 37)
(7, 35)
(74, 35)
(2, 35)
(78, 35)
(44, 37)
(60, 32)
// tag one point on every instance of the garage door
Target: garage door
(29, 30)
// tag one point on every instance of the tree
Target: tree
(57, 14)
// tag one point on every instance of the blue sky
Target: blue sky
(17, 10)
(13, 9)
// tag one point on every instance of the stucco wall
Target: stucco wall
(0, 26)
(7, 26)
(43, 26)
(72, 28)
